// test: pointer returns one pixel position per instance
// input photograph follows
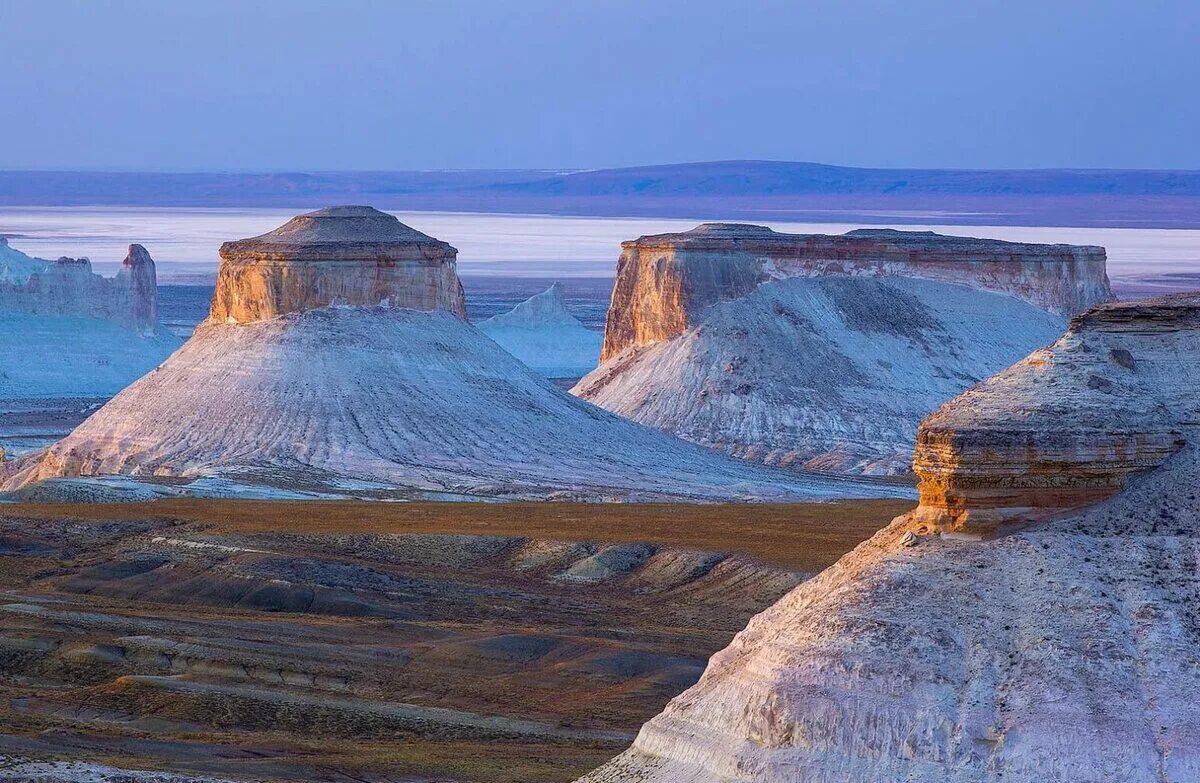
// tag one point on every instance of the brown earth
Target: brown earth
(380, 642)
(802, 536)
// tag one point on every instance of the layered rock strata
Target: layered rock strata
(69, 287)
(1059, 651)
(1068, 426)
(826, 373)
(666, 282)
(335, 256)
(410, 398)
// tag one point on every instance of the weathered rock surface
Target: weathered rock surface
(407, 398)
(66, 332)
(1071, 423)
(69, 287)
(1063, 652)
(418, 400)
(15, 266)
(666, 282)
(824, 373)
(335, 256)
(543, 334)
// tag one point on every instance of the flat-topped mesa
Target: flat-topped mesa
(1069, 425)
(335, 256)
(69, 287)
(665, 282)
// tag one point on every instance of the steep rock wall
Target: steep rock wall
(665, 282)
(335, 256)
(1067, 426)
(68, 287)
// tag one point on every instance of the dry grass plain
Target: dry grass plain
(801, 536)
(332, 641)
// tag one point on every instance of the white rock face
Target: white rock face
(412, 399)
(15, 266)
(1066, 427)
(545, 336)
(825, 373)
(1052, 648)
(665, 282)
(52, 356)
(1065, 653)
(69, 287)
(67, 332)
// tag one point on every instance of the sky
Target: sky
(269, 86)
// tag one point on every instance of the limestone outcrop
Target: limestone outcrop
(545, 336)
(666, 282)
(15, 266)
(1069, 425)
(402, 396)
(335, 256)
(1059, 649)
(827, 373)
(69, 287)
(823, 352)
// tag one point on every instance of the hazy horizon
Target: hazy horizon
(565, 169)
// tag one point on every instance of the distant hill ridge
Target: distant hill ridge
(721, 189)
(757, 178)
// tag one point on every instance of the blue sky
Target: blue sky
(208, 84)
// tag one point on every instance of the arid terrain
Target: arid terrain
(378, 642)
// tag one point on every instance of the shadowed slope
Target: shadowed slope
(830, 373)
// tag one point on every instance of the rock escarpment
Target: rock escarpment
(335, 256)
(68, 287)
(825, 373)
(15, 266)
(66, 332)
(1068, 426)
(666, 282)
(399, 397)
(1061, 652)
(823, 352)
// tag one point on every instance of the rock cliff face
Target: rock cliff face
(666, 282)
(392, 395)
(68, 287)
(1061, 651)
(140, 279)
(827, 373)
(15, 266)
(335, 256)
(1070, 424)
(68, 333)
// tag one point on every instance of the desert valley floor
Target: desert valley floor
(378, 642)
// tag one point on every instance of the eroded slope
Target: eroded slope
(827, 373)
(408, 399)
(1033, 620)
